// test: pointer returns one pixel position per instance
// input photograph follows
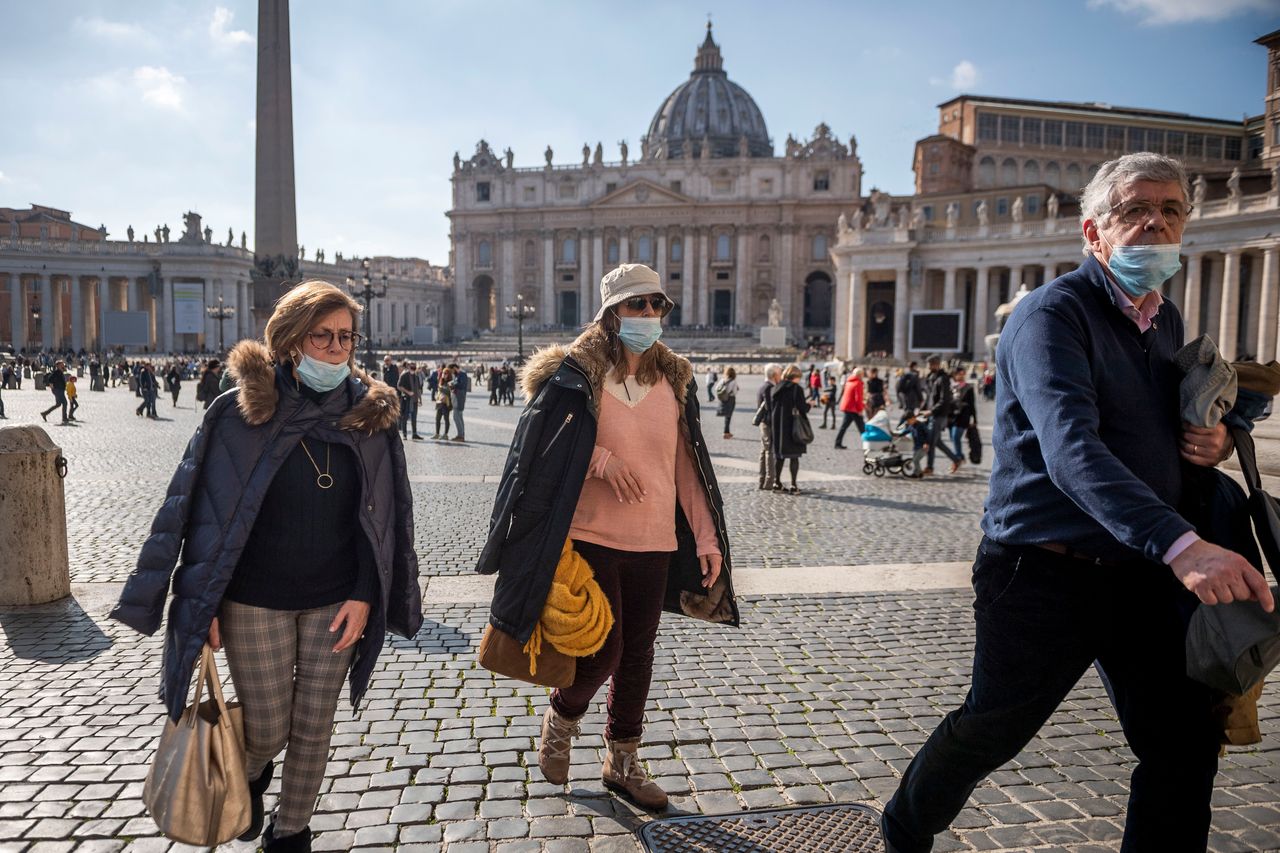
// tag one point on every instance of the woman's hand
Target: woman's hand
(215, 635)
(355, 614)
(710, 569)
(625, 482)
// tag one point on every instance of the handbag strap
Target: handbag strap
(208, 674)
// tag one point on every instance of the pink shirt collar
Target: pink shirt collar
(1141, 317)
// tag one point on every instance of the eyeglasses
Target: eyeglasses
(324, 339)
(1138, 212)
(660, 304)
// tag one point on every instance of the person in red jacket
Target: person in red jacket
(852, 403)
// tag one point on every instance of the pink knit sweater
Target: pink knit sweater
(646, 437)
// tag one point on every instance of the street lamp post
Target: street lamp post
(221, 312)
(519, 311)
(366, 293)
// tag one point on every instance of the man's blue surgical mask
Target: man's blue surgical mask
(640, 333)
(1141, 269)
(320, 375)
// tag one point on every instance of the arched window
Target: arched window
(644, 249)
(569, 250)
(613, 251)
(484, 254)
(764, 247)
(530, 254)
(1073, 177)
(1009, 172)
(820, 247)
(1031, 172)
(677, 250)
(724, 250)
(987, 172)
(1053, 176)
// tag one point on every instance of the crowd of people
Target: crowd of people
(937, 410)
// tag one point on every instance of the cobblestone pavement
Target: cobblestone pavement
(817, 699)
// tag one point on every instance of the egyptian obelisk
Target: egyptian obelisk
(275, 225)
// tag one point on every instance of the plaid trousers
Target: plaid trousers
(288, 680)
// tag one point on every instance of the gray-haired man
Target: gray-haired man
(1085, 557)
(768, 462)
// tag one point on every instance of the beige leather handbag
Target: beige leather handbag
(196, 790)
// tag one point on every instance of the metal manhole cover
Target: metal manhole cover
(800, 829)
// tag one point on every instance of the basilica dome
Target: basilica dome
(711, 107)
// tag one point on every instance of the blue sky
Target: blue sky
(131, 113)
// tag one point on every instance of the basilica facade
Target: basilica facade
(728, 225)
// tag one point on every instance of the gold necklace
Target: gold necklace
(323, 479)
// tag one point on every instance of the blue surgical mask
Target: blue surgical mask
(320, 375)
(640, 333)
(1141, 269)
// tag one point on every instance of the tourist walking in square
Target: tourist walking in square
(73, 397)
(727, 394)
(292, 519)
(460, 386)
(610, 455)
(56, 381)
(787, 406)
(1084, 556)
(852, 406)
(768, 462)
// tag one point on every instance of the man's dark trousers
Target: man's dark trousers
(1042, 620)
(938, 442)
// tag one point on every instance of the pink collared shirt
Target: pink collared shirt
(1143, 318)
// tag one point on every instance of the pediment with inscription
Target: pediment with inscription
(641, 192)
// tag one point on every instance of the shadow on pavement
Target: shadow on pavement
(436, 638)
(880, 503)
(61, 632)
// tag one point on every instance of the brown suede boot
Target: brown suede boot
(623, 775)
(557, 739)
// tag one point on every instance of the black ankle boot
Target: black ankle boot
(257, 788)
(299, 842)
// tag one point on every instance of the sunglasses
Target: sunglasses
(660, 304)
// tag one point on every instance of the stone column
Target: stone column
(1268, 309)
(981, 311)
(1015, 279)
(592, 279)
(949, 288)
(742, 284)
(275, 209)
(548, 309)
(901, 301)
(463, 322)
(104, 305)
(786, 287)
(1191, 297)
(840, 308)
(18, 310)
(704, 289)
(244, 321)
(164, 314)
(46, 310)
(1229, 313)
(857, 313)
(689, 308)
(660, 246)
(507, 275)
(624, 247)
(77, 313)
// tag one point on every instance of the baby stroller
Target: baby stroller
(880, 451)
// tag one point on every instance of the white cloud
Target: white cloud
(159, 87)
(114, 31)
(222, 37)
(1156, 12)
(5, 179)
(964, 75)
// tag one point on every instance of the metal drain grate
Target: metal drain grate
(801, 829)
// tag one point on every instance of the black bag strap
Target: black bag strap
(1247, 454)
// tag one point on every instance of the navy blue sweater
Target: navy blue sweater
(1087, 426)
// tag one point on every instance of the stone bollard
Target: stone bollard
(33, 518)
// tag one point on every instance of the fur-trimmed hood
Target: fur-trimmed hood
(589, 351)
(375, 407)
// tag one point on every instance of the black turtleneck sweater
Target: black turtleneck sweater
(307, 549)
